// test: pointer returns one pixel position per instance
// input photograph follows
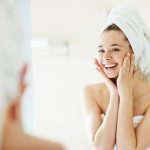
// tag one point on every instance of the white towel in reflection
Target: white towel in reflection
(10, 56)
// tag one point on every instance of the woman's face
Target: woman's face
(112, 50)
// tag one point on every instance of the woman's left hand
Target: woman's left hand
(127, 76)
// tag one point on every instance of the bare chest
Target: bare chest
(139, 104)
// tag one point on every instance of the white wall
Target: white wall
(57, 104)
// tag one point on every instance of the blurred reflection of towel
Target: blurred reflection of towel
(10, 55)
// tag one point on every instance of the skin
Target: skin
(14, 137)
(120, 97)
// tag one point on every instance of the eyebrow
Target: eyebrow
(110, 45)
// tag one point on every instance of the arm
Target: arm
(15, 138)
(128, 137)
(31, 143)
(101, 134)
(125, 128)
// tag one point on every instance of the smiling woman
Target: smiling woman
(113, 44)
(124, 96)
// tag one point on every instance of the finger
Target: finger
(135, 68)
(130, 61)
(100, 70)
(121, 72)
(22, 84)
(102, 73)
(10, 114)
(98, 66)
(96, 62)
(128, 66)
(132, 64)
(137, 74)
(23, 73)
(125, 64)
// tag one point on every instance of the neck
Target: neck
(114, 80)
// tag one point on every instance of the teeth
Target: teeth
(108, 66)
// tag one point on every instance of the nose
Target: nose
(107, 55)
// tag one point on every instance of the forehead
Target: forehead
(112, 37)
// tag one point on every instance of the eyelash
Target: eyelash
(115, 49)
(101, 51)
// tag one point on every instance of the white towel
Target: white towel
(10, 57)
(133, 26)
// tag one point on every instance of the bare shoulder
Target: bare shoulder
(94, 88)
(95, 91)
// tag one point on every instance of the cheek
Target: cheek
(100, 58)
(121, 58)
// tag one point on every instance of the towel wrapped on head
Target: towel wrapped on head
(133, 26)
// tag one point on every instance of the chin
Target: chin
(112, 76)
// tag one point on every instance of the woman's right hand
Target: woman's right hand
(111, 86)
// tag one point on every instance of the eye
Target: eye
(116, 49)
(101, 51)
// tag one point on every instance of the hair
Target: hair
(114, 27)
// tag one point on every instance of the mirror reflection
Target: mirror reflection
(48, 51)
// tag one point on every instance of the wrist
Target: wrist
(125, 92)
(126, 98)
(126, 95)
(114, 97)
(114, 93)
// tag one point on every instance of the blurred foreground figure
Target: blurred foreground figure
(14, 43)
(14, 137)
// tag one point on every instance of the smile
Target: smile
(110, 67)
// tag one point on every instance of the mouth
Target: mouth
(110, 67)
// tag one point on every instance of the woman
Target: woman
(124, 96)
